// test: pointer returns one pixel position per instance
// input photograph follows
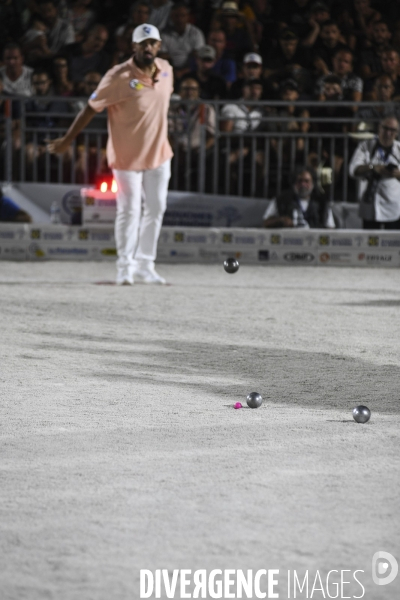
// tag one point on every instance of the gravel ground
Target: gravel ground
(120, 449)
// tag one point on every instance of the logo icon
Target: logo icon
(381, 561)
(135, 84)
(298, 257)
(146, 29)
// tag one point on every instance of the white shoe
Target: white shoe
(148, 275)
(124, 277)
(125, 282)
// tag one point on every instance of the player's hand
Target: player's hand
(57, 146)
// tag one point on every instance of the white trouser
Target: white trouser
(136, 235)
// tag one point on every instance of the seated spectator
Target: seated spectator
(212, 87)
(81, 17)
(326, 47)
(376, 162)
(251, 69)
(11, 212)
(17, 77)
(34, 40)
(88, 55)
(351, 84)
(185, 124)
(43, 125)
(370, 58)
(160, 13)
(59, 32)
(241, 118)
(62, 84)
(181, 40)
(236, 29)
(301, 206)
(94, 136)
(224, 67)
(123, 49)
(287, 53)
(13, 109)
(294, 15)
(362, 17)
(391, 67)
(370, 116)
(11, 28)
(289, 92)
(319, 14)
(337, 115)
(138, 15)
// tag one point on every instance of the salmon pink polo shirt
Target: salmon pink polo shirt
(137, 115)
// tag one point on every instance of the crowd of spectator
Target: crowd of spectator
(238, 52)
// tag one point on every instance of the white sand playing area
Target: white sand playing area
(120, 449)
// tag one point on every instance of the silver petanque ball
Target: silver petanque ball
(254, 400)
(361, 414)
(231, 265)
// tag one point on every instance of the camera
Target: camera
(391, 167)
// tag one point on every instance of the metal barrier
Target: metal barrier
(251, 163)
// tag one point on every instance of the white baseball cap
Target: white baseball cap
(145, 32)
(252, 57)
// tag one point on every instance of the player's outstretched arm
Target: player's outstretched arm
(83, 118)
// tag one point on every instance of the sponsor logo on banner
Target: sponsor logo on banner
(342, 242)
(324, 240)
(373, 240)
(12, 252)
(179, 236)
(375, 258)
(196, 239)
(109, 251)
(245, 239)
(231, 214)
(35, 234)
(336, 257)
(182, 254)
(263, 255)
(7, 235)
(209, 254)
(227, 238)
(390, 243)
(59, 251)
(275, 239)
(304, 257)
(83, 234)
(53, 235)
(164, 237)
(35, 250)
(101, 236)
(89, 201)
(293, 241)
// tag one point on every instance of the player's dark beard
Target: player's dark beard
(147, 60)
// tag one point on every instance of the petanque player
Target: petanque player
(136, 94)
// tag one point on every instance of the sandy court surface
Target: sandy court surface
(120, 449)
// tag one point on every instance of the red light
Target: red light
(103, 186)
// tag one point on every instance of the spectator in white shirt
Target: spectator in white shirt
(159, 15)
(181, 40)
(17, 77)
